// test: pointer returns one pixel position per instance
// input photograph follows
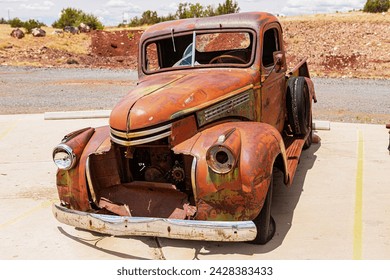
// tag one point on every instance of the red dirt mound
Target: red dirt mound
(116, 46)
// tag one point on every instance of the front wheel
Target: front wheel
(264, 222)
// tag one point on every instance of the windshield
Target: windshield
(199, 49)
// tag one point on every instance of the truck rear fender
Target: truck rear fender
(301, 69)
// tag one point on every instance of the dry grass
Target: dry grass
(349, 17)
(353, 44)
(114, 28)
(78, 44)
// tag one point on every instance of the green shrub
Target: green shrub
(31, 24)
(73, 17)
(187, 10)
(376, 6)
(15, 22)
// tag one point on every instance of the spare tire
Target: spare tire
(298, 107)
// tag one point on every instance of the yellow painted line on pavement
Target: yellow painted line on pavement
(7, 130)
(358, 223)
(43, 205)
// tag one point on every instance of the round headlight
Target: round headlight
(64, 157)
(220, 159)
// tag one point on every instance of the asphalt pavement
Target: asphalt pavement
(338, 207)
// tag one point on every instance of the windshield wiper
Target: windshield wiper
(173, 40)
(193, 49)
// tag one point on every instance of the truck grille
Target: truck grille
(225, 107)
(241, 105)
(141, 136)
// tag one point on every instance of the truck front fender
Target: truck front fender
(238, 194)
(72, 184)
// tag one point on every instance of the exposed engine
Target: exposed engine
(157, 164)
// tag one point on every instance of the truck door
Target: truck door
(273, 82)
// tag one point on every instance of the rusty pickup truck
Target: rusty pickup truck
(190, 152)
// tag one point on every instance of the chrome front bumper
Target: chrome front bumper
(158, 227)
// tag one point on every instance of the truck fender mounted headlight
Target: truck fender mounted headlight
(222, 156)
(220, 159)
(64, 157)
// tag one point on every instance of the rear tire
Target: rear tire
(264, 222)
(299, 108)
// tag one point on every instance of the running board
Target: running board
(294, 148)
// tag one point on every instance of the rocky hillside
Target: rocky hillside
(344, 44)
(337, 45)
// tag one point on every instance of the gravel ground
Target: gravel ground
(25, 90)
(38, 90)
(352, 100)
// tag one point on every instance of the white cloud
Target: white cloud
(321, 6)
(123, 5)
(45, 6)
(171, 8)
(12, 1)
(101, 12)
(116, 4)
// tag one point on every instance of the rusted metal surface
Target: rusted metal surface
(175, 93)
(238, 195)
(67, 180)
(253, 21)
(243, 20)
(293, 152)
(312, 92)
(119, 209)
(195, 142)
(157, 227)
(72, 184)
(183, 130)
(146, 201)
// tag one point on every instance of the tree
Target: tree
(229, 7)
(149, 17)
(376, 6)
(189, 10)
(210, 11)
(31, 24)
(168, 17)
(92, 21)
(3, 21)
(73, 17)
(183, 11)
(15, 22)
(196, 10)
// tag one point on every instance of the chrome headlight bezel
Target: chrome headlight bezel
(220, 159)
(64, 157)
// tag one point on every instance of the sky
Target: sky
(112, 12)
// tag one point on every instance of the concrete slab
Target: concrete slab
(337, 207)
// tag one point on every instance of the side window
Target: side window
(270, 45)
(151, 57)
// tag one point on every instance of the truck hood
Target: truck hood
(162, 97)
